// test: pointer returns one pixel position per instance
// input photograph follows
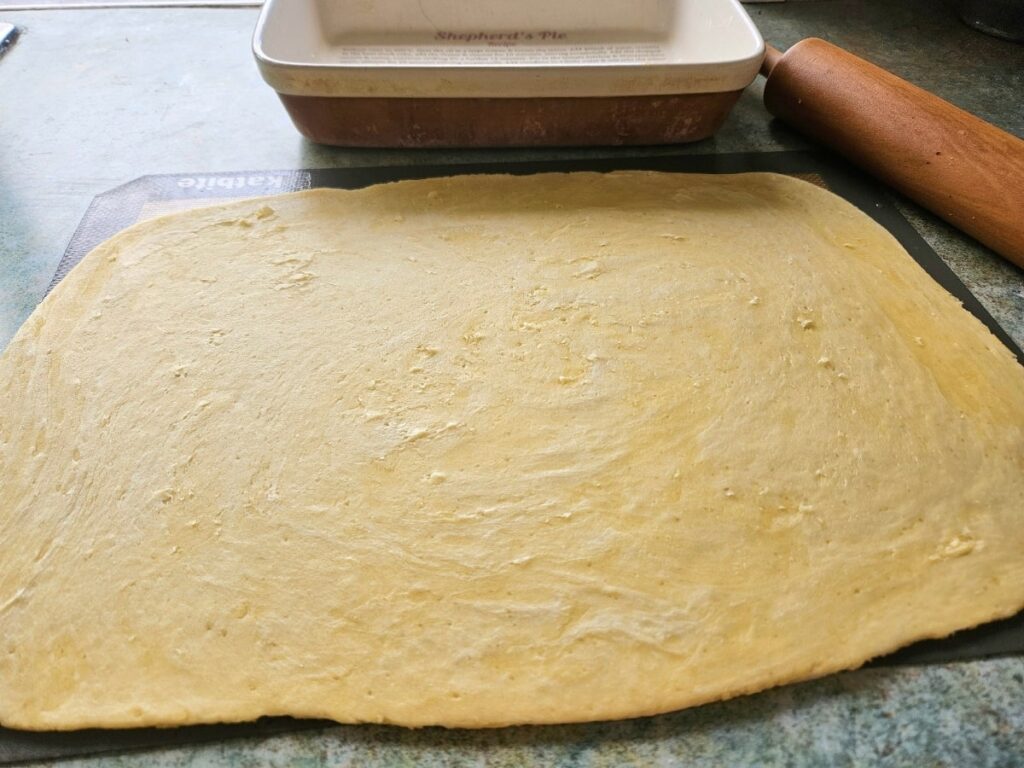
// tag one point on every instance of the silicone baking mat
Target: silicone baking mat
(151, 196)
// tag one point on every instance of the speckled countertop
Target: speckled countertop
(94, 98)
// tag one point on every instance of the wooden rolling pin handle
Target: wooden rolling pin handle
(958, 166)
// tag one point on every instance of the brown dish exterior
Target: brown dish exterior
(509, 122)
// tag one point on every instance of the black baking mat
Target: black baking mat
(150, 196)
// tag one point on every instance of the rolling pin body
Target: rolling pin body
(958, 166)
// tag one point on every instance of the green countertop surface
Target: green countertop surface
(90, 99)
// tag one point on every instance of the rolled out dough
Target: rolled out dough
(489, 450)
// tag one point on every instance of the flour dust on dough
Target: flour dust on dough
(489, 450)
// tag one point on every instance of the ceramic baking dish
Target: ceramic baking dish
(436, 73)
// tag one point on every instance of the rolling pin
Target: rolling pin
(954, 164)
